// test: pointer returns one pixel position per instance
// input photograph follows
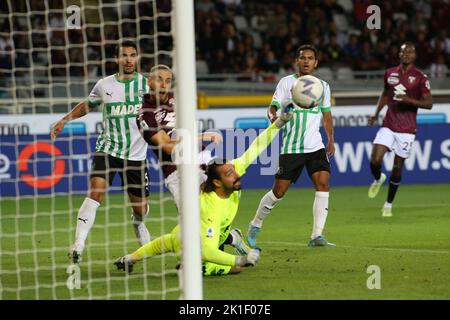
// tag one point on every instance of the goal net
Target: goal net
(52, 53)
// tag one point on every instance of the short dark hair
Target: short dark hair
(307, 47)
(212, 173)
(124, 44)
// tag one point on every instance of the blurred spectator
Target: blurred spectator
(438, 68)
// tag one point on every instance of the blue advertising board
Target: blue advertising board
(33, 165)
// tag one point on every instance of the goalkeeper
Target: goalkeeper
(219, 201)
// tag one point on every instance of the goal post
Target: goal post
(186, 97)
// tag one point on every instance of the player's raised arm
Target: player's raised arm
(264, 139)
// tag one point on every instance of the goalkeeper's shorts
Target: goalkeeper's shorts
(212, 269)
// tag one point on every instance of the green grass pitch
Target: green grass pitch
(412, 249)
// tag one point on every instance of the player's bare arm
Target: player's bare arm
(272, 113)
(328, 126)
(78, 111)
(382, 101)
(425, 103)
(163, 140)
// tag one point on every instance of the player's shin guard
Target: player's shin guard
(320, 212)
(86, 218)
(139, 227)
(376, 170)
(266, 205)
(394, 183)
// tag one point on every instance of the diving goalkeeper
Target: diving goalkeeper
(219, 201)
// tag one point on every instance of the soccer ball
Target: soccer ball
(307, 91)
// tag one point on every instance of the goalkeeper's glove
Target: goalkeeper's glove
(249, 260)
(286, 113)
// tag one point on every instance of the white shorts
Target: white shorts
(172, 182)
(400, 143)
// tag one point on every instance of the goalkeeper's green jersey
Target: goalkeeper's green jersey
(217, 214)
(122, 101)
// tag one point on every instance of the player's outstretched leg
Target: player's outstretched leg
(375, 186)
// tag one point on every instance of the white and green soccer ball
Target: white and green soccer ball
(307, 91)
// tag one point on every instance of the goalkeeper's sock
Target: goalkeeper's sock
(266, 205)
(154, 247)
(140, 229)
(320, 212)
(86, 218)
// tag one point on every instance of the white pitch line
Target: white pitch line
(283, 243)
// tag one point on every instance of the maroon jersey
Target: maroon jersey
(153, 118)
(401, 117)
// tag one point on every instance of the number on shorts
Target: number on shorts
(407, 146)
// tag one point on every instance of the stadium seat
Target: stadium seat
(241, 23)
(344, 73)
(341, 22)
(324, 73)
(201, 67)
(347, 5)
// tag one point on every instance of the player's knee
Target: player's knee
(279, 192)
(96, 195)
(323, 186)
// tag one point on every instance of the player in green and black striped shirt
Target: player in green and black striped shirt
(302, 146)
(120, 147)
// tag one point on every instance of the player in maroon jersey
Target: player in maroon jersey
(157, 122)
(405, 90)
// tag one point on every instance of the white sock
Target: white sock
(265, 206)
(320, 212)
(85, 221)
(387, 205)
(140, 229)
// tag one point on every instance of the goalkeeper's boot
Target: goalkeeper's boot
(320, 241)
(75, 252)
(124, 263)
(386, 212)
(241, 248)
(140, 230)
(252, 233)
(376, 185)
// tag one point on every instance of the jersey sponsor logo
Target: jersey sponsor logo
(141, 93)
(125, 109)
(399, 90)
(210, 232)
(392, 80)
(427, 85)
(108, 93)
(411, 79)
